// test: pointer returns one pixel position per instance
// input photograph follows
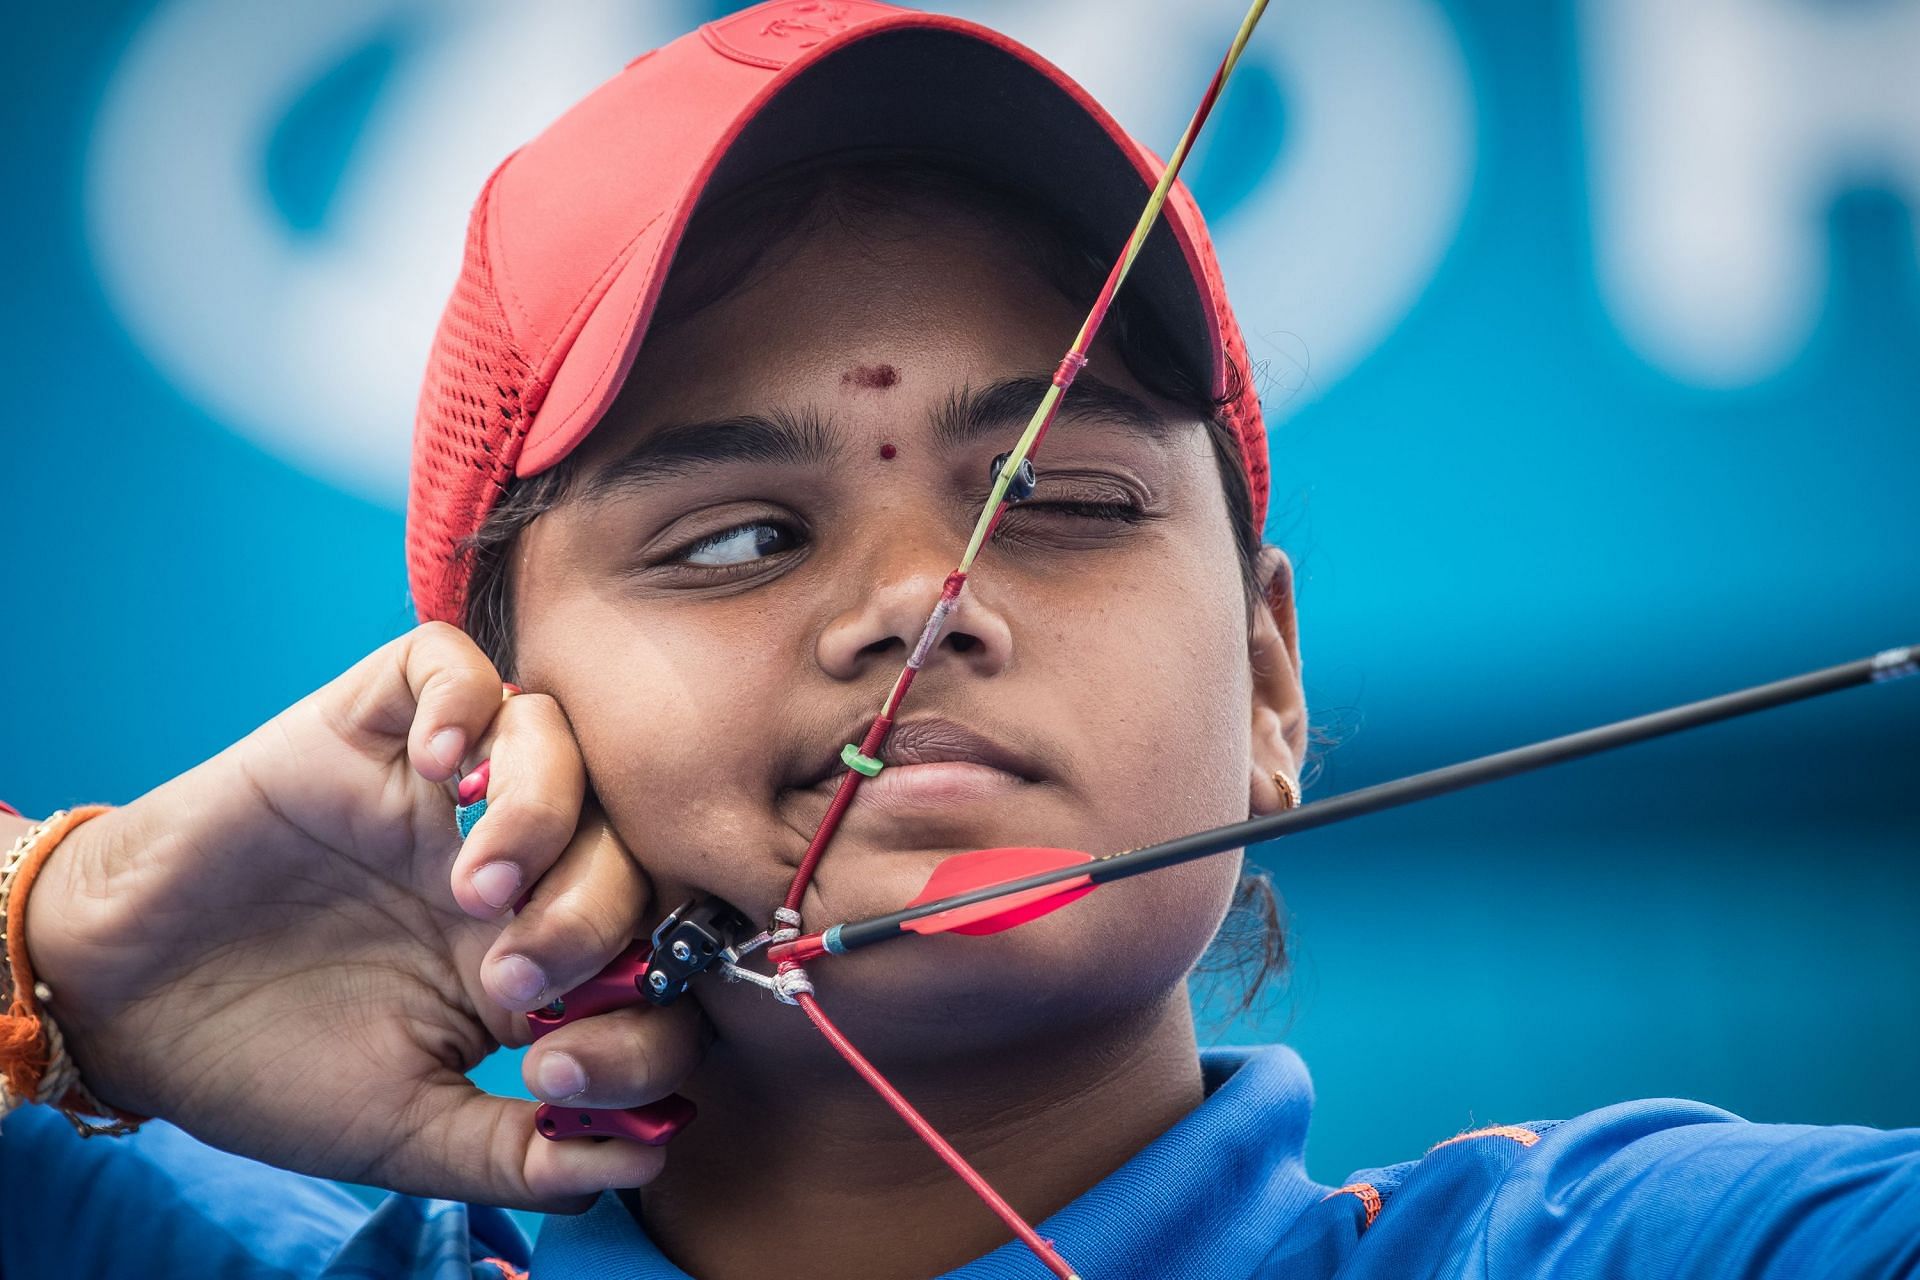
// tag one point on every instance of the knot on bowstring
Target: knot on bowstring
(1069, 369)
(786, 923)
(790, 982)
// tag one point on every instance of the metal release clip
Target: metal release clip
(691, 940)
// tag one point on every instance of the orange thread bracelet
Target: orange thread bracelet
(26, 1049)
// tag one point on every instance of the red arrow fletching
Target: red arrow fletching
(984, 868)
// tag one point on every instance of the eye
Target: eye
(1120, 512)
(742, 544)
(1066, 524)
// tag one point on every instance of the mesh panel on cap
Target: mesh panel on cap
(1242, 412)
(1241, 407)
(476, 404)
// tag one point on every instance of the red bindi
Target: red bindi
(874, 377)
(887, 451)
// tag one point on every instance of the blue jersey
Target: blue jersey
(1657, 1189)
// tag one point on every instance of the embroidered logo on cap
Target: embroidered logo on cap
(772, 35)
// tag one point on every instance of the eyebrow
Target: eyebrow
(778, 438)
(969, 415)
(803, 438)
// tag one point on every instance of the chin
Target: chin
(948, 996)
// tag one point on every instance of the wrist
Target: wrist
(33, 1055)
(70, 910)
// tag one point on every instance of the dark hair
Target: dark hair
(728, 241)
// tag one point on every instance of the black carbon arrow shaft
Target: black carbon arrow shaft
(1890, 664)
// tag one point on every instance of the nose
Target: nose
(882, 629)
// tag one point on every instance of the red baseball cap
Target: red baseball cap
(574, 233)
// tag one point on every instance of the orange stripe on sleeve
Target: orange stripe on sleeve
(1368, 1196)
(1525, 1137)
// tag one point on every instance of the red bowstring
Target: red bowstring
(1042, 1248)
(876, 736)
(843, 795)
(1063, 376)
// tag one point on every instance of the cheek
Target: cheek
(1164, 689)
(1159, 715)
(1187, 711)
(672, 726)
(1182, 741)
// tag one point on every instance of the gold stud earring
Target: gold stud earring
(1289, 790)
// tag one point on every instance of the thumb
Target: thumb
(464, 1144)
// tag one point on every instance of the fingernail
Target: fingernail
(446, 746)
(517, 980)
(508, 689)
(496, 883)
(559, 1077)
(474, 785)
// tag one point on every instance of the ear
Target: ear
(1279, 723)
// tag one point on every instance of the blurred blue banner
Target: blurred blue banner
(1588, 332)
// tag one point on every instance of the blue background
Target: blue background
(1509, 523)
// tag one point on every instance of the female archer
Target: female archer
(739, 353)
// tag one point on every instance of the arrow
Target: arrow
(965, 872)
(994, 889)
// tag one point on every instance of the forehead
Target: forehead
(926, 328)
(934, 299)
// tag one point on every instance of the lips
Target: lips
(936, 741)
(943, 741)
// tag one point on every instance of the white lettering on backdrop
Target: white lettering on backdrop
(1719, 133)
(311, 343)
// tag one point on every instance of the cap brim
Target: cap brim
(921, 82)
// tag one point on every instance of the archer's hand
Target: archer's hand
(286, 950)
